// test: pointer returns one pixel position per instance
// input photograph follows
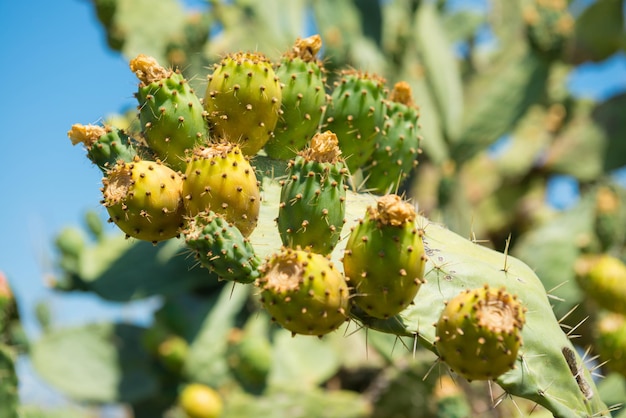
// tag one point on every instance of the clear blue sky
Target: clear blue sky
(58, 71)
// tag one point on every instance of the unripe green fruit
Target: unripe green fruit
(479, 333)
(105, 146)
(304, 292)
(219, 178)
(200, 401)
(603, 277)
(384, 258)
(144, 200)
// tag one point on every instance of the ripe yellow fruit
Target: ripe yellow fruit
(200, 401)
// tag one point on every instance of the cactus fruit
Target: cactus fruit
(398, 144)
(200, 401)
(303, 98)
(549, 25)
(384, 258)
(143, 198)
(356, 115)
(220, 178)
(249, 353)
(304, 292)
(312, 200)
(479, 332)
(243, 99)
(603, 278)
(611, 341)
(222, 248)
(171, 115)
(105, 145)
(608, 220)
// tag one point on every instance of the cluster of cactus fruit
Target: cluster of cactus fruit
(198, 171)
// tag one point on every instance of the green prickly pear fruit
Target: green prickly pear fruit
(450, 399)
(304, 292)
(171, 115)
(611, 341)
(312, 201)
(479, 332)
(143, 198)
(222, 248)
(549, 25)
(168, 348)
(105, 145)
(397, 146)
(608, 223)
(200, 401)
(303, 98)
(243, 99)
(603, 277)
(356, 115)
(219, 178)
(384, 258)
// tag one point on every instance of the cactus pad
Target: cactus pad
(304, 292)
(478, 333)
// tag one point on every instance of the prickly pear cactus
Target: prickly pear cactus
(611, 341)
(603, 277)
(200, 401)
(304, 292)
(398, 145)
(219, 178)
(243, 99)
(356, 114)
(303, 98)
(479, 333)
(384, 258)
(312, 200)
(105, 145)
(222, 248)
(144, 199)
(171, 115)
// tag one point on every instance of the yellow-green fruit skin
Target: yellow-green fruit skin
(611, 341)
(144, 199)
(603, 278)
(200, 401)
(304, 292)
(479, 333)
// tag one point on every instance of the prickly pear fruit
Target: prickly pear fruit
(144, 199)
(384, 258)
(303, 98)
(171, 115)
(608, 221)
(603, 277)
(549, 25)
(304, 292)
(200, 401)
(479, 332)
(356, 114)
(243, 99)
(221, 247)
(105, 145)
(220, 178)
(397, 146)
(611, 341)
(169, 349)
(312, 200)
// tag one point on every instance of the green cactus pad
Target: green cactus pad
(221, 247)
(171, 115)
(143, 198)
(304, 292)
(603, 277)
(220, 178)
(105, 145)
(478, 333)
(398, 145)
(384, 258)
(356, 115)
(243, 99)
(312, 201)
(303, 98)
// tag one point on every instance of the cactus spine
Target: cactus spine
(397, 146)
(312, 201)
(303, 98)
(144, 199)
(171, 115)
(479, 333)
(243, 99)
(219, 178)
(304, 292)
(384, 258)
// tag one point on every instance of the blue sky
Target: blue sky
(58, 71)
